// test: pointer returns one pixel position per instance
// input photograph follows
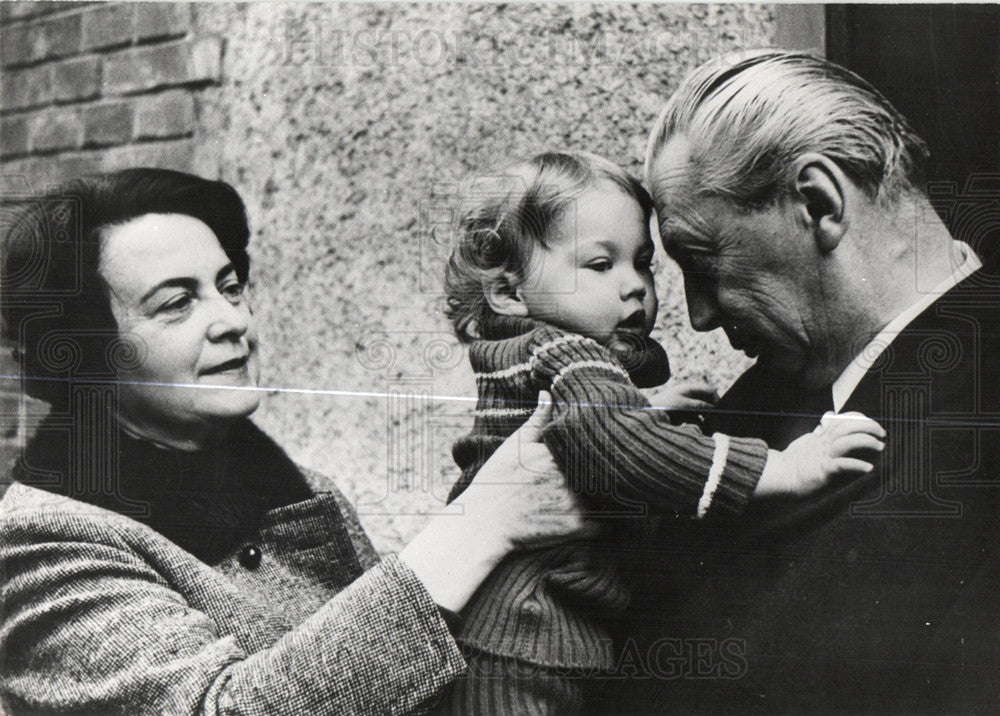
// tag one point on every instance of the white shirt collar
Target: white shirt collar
(855, 371)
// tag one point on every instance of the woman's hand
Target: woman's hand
(517, 500)
(519, 495)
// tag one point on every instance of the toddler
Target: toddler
(551, 285)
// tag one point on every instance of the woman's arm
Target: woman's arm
(89, 625)
(518, 499)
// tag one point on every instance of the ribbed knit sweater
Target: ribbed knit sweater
(623, 459)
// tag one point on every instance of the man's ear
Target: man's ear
(821, 193)
(504, 295)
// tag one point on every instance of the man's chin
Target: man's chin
(776, 363)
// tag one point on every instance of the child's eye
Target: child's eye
(644, 263)
(600, 265)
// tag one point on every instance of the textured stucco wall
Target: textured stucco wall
(346, 128)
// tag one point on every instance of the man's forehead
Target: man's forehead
(680, 213)
(670, 171)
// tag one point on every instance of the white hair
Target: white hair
(748, 116)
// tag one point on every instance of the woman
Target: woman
(160, 554)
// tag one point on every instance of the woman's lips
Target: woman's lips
(234, 365)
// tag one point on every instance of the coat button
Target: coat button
(250, 556)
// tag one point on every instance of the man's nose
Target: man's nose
(702, 309)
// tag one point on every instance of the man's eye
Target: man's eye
(600, 265)
(699, 263)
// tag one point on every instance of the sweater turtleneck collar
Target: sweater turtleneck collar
(499, 328)
(205, 501)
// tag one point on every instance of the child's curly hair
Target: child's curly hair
(504, 216)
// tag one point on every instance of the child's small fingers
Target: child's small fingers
(854, 422)
(852, 465)
(871, 427)
(852, 425)
(857, 441)
(685, 403)
(699, 388)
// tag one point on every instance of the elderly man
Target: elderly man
(790, 193)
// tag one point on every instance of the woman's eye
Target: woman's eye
(233, 291)
(644, 263)
(177, 305)
(600, 265)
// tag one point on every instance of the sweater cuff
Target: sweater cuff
(740, 472)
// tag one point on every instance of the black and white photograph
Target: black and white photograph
(478, 358)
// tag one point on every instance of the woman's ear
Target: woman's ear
(503, 294)
(821, 196)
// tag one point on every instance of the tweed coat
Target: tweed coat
(100, 613)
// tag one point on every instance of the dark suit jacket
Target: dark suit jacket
(880, 593)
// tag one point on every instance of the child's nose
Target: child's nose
(633, 287)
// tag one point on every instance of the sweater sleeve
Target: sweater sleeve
(88, 626)
(617, 450)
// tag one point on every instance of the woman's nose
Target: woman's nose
(229, 320)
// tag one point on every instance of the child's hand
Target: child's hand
(688, 395)
(812, 460)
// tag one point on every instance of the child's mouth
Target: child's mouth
(634, 323)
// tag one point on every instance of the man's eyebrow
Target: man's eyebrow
(675, 227)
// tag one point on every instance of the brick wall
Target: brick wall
(90, 87)
(98, 86)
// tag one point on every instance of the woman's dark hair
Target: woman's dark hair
(54, 303)
(505, 216)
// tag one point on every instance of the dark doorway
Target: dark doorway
(940, 66)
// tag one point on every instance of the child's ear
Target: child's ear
(504, 295)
